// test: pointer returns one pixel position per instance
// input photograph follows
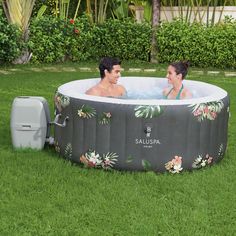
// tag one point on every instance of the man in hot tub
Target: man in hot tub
(110, 72)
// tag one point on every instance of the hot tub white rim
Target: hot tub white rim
(219, 94)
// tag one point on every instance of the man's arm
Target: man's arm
(122, 90)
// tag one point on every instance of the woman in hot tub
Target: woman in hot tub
(176, 72)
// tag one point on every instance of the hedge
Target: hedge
(203, 46)
(123, 39)
(56, 40)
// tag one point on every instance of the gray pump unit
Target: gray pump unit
(30, 122)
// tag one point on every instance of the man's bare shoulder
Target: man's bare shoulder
(93, 91)
(121, 89)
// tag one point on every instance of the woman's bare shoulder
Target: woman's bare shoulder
(187, 93)
(166, 90)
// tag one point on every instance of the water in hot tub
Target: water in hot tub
(154, 93)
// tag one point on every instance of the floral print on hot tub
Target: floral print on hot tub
(105, 118)
(202, 111)
(175, 165)
(107, 161)
(61, 101)
(208, 110)
(93, 159)
(88, 112)
(201, 161)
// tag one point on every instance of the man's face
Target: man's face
(114, 75)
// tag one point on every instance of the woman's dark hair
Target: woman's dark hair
(181, 67)
(107, 63)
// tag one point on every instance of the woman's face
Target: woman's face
(172, 76)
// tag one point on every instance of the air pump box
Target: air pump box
(30, 122)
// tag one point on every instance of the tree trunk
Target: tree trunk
(25, 56)
(156, 13)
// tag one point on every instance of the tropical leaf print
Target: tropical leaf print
(146, 165)
(221, 150)
(200, 161)
(146, 111)
(175, 165)
(68, 151)
(129, 159)
(86, 111)
(228, 110)
(61, 101)
(105, 118)
(208, 110)
(109, 160)
(93, 159)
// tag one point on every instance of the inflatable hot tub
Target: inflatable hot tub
(141, 134)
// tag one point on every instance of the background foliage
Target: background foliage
(123, 39)
(54, 40)
(203, 46)
(10, 43)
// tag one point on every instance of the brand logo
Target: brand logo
(147, 142)
(148, 131)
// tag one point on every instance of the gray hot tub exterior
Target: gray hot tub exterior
(142, 137)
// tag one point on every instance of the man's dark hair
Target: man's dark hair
(107, 63)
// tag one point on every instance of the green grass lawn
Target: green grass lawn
(42, 194)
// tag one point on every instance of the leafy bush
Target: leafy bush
(54, 40)
(11, 42)
(123, 39)
(203, 46)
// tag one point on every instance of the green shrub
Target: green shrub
(11, 43)
(55, 40)
(223, 41)
(123, 39)
(203, 46)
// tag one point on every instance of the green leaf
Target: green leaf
(129, 159)
(146, 111)
(146, 165)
